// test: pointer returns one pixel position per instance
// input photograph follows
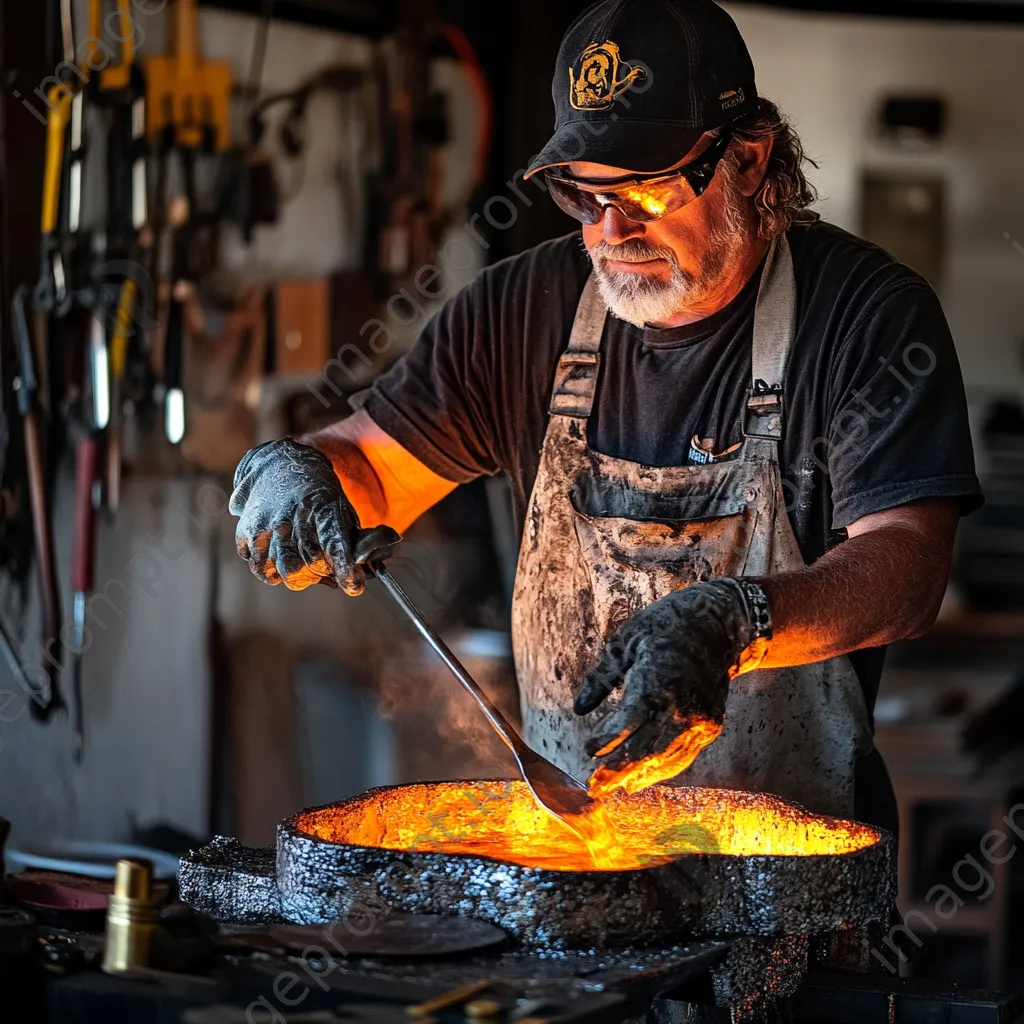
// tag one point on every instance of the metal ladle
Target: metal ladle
(556, 791)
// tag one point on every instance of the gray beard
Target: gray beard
(641, 300)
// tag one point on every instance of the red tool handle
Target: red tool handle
(82, 552)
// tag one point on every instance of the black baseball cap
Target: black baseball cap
(638, 82)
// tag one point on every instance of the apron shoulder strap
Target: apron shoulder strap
(774, 330)
(576, 373)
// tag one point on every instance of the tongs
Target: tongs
(556, 791)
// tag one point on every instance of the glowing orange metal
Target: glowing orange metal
(501, 820)
(638, 775)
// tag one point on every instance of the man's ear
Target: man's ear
(751, 163)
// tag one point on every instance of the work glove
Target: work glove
(295, 525)
(674, 660)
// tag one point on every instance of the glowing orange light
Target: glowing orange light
(501, 820)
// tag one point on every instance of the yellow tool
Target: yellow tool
(122, 328)
(116, 76)
(185, 93)
(118, 360)
(59, 99)
(51, 292)
(65, 107)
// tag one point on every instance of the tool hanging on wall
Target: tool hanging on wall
(46, 696)
(406, 203)
(188, 112)
(124, 321)
(51, 293)
(87, 246)
(123, 90)
(185, 93)
(118, 75)
(82, 562)
(181, 217)
(68, 283)
(174, 398)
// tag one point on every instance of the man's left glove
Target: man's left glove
(675, 659)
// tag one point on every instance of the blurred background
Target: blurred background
(275, 269)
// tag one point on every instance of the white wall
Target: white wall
(831, 72)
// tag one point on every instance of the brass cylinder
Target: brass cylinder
(131, 917)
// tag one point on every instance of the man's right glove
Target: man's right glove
(295, 525)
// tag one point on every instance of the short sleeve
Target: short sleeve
(898, 423)
(436, 401)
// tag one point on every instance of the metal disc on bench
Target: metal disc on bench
(396, 935)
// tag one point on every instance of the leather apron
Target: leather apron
(604, 537)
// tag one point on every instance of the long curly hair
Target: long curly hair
(785, 190)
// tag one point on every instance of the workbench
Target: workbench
(611, 988)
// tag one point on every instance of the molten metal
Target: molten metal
(634, 776)
(500, 820)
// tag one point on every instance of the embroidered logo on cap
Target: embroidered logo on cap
(595, 82)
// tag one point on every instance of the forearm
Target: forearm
(881, 585)
(384, 482)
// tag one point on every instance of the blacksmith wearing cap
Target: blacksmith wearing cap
(736, 437)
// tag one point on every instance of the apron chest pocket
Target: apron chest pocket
(599, 498)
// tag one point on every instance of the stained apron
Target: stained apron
(605, 537)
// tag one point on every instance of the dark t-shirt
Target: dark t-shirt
(875, 409)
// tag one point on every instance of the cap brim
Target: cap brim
(646, 147)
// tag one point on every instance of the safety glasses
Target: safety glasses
(642, 198)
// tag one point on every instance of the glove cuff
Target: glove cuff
(759, 618)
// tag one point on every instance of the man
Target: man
(736, 436)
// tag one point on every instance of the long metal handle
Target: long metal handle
(45, 564)
(39, 502)
(500, 723)
(83, 550)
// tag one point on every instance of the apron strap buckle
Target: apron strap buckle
(763, 415)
